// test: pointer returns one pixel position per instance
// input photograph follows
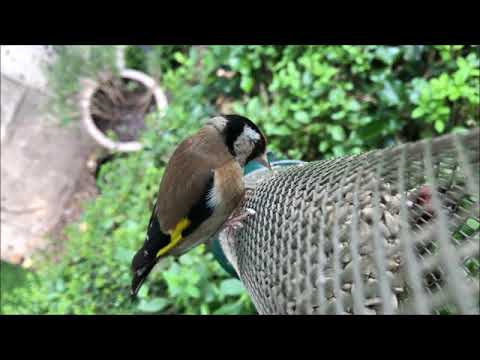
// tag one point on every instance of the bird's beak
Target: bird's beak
(264, 161)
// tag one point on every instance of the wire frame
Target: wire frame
(393, 231)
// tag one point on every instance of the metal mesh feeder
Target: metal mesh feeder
(386, 232)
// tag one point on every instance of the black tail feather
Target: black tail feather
(139, 277)
(146, 258)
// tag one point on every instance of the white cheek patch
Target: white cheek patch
(245, 144)
(242, 147)
(250, 134)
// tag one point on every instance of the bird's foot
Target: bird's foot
(235, 222)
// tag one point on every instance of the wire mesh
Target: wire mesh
(391, 231)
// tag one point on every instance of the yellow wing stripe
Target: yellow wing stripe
(175, 236)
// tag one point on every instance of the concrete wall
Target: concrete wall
(23, 63)
(21, 68)
(40, 160)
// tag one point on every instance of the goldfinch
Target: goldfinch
(200, 189)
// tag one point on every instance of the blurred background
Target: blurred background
(87, 131)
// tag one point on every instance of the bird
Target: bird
(201, 190)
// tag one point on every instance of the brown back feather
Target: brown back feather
(187, 174)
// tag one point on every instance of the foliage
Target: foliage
(64, 76)
(311, 101)
(10, 276)
(324, 101)
(135, 58)
(156, 60)
(456, 92)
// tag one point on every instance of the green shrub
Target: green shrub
(11, 277)
(156, 60)
(324, 101)
(135, 58)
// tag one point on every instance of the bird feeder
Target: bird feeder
(391, 231)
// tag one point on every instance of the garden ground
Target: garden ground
(36, 153)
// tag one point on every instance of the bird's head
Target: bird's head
(243, 138)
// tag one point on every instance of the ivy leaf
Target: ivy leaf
(186, 260)
(371, 130)
(179, 57)
(389, 94)
(193, 291)
(246, 84)
(124, 255)
(302, 116)
(387, 54)
(338, 150)
(418, 112)
(439, 126)
(228, 309)
(152, 306)
(324, 145)
(337, 132)
(277, 130)
(232, 287)
(353, 105)
(143, 292)
(338, 115)
(417, 84)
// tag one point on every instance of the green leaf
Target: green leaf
(228, 309)
(387, 53)
(124, 255)
(418, 112)
(353, 105)
(337, 132)
(324, 145)
(389, 94)
(338, 115)
(204, 310)
(444, 110)
(246, 84)
(232, 287)
(186, 260)
(371, 130)
(193, 291)
(314, 128)
(307, 78)
(179, 57)
(439, 126)
(278, 130)
(336, 96)
(301, 116)
(417, 84)
(356, 151)
(338, 150)
(152, 306)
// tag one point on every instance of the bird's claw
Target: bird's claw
(235, 222)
